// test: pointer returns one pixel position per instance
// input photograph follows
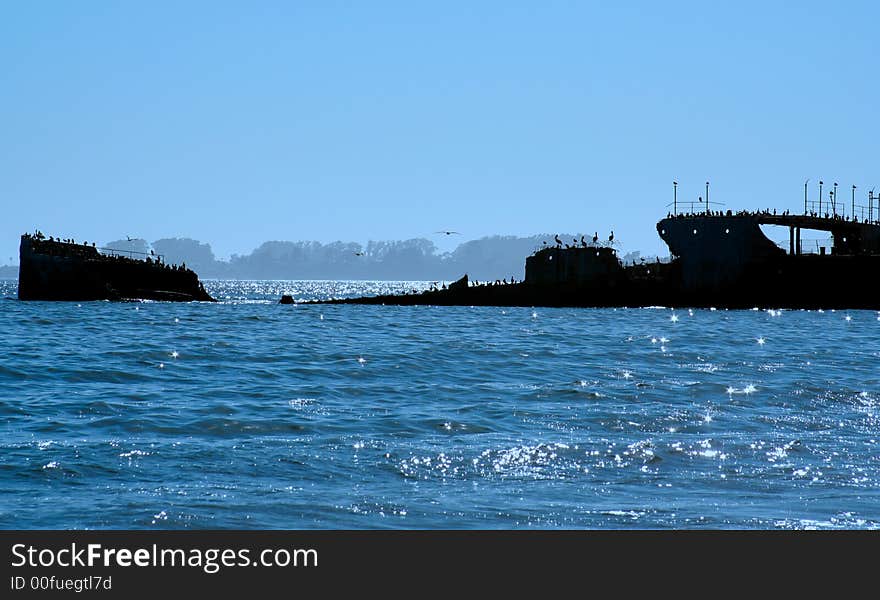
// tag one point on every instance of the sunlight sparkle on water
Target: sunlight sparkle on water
(761, 341)
(459, 404)
(674, 318)
(749, 389)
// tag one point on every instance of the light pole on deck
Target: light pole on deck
(834, 200)
(674, 197)
(707, 198)
(853, 202)
(820, 197)
(805, 196)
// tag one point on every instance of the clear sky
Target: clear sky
(235, 123)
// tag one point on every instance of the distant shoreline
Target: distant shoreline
(419, 259)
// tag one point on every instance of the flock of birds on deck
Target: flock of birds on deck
(583, 242)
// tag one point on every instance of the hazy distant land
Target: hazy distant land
(488, 258)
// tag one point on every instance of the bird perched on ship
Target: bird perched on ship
(596, 237)
(583, 242)
(558, 241)
(611, 238)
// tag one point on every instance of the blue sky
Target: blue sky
(236, 123)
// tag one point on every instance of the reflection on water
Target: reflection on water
(251, 414)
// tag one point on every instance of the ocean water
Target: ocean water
(249, 414)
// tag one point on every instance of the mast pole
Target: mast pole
(707, 198)
(854, 202)
(805, 196)
(674, 197)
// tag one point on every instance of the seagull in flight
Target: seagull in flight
(448, 232)
(358, 253)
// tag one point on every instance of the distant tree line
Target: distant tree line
(488, 258)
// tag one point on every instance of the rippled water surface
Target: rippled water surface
(251, 414)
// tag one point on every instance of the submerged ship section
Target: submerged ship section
(61, 270)
(583, 276)
(717, 259)
(596, 266)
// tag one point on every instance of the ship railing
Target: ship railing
(863, 214)
(811, 245)
(697, 207)
(131, 254)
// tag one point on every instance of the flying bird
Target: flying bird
(358, 253)
(448, 232)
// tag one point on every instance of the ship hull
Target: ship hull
(721, 261)
(824, 283)
(55, 271)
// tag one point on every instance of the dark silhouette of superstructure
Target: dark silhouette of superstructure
(718, 259)
(51, 269)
